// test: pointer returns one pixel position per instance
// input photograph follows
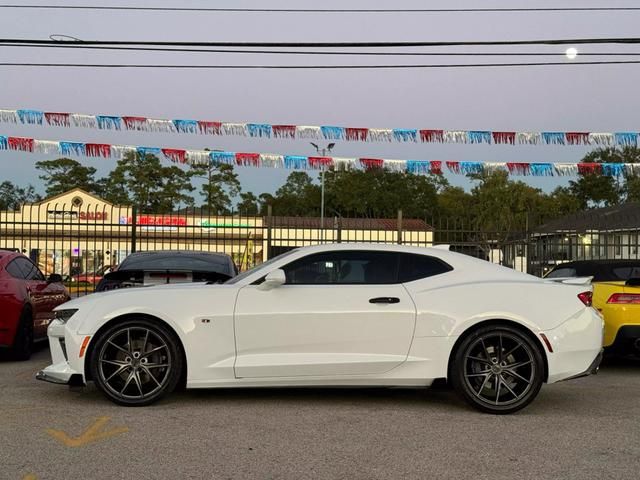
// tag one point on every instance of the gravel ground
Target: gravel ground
(583, 429)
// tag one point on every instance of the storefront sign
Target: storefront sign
(159, 220)
(85, 216)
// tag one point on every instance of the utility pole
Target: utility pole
(323, 153)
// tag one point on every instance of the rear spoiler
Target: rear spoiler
(571, 280)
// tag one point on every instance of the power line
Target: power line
(70, 45)
(323, 10)
(319, 67)
(575, 41)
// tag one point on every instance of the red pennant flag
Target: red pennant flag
(504, 137)
(284, 131)
(577, 138)
(98, 150)
(209, 128)
(589, 168)
(319, 162)
(371, 163)
(453, 167)
(135, 123)
(248, 159)
(518, 168)
(175, 155)
(436, 167)
(57, 119)
(20, 143)
(431, 136)
(357, 134)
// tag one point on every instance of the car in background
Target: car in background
(336, 315)
(616, 294)
(143, 269)
(27, 300)
(92, 277)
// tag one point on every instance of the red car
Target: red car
(27, 300)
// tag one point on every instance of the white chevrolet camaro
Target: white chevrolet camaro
(335, 315)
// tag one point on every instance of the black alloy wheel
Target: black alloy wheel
(498, 369)
(136, 362)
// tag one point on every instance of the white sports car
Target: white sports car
(336, 315)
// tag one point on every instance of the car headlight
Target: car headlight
(64, 315)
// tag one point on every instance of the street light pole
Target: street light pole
(322, 152)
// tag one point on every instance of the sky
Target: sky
(577, 98)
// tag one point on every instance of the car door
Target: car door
(340, 312)
(45, 296)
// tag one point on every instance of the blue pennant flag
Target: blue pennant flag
(613, 169)
(186, 126)
(471, 167)
(476, 136)
(143, 151)
(541, 169)
(109, 122)
(626, 139)
(405, 135)
(418, 166)
(3, 143)
(73, 148)
(259, 130)
(298, 162)
(33, 117)
(228, 158)
(333, 133)
(553, 138)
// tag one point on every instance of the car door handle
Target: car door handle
(384, 300)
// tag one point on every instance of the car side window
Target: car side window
(14, 269)
(29, 270)
(414, 267)
(357, 267)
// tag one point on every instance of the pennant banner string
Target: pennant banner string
(303, 162)
(319, 132)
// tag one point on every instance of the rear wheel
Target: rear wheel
(23, 343)
(136, 363)
(498, 369)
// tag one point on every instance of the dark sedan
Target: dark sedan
(172, 266)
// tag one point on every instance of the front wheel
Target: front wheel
(498, 369)
(136, 362)
(23, 343)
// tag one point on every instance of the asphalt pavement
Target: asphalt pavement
(583, 429)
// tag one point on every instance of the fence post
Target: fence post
(269, 217)
(134, 229)
(338, 225)
(399, 227)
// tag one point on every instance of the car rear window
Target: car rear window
(563, 272)
(625, 273)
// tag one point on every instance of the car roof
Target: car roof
(213, 261)
(600, 270)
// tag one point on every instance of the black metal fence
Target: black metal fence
(81, 241)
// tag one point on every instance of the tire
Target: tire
(22, 347)
(136, 362)
(498, 369)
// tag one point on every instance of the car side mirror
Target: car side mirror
(54, 278)
(273, 279)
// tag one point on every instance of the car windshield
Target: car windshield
(259, 267)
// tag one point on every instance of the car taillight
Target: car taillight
(585, 297)
(624, 298)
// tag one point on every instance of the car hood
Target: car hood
(139, 295)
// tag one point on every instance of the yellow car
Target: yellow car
(616, 294)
